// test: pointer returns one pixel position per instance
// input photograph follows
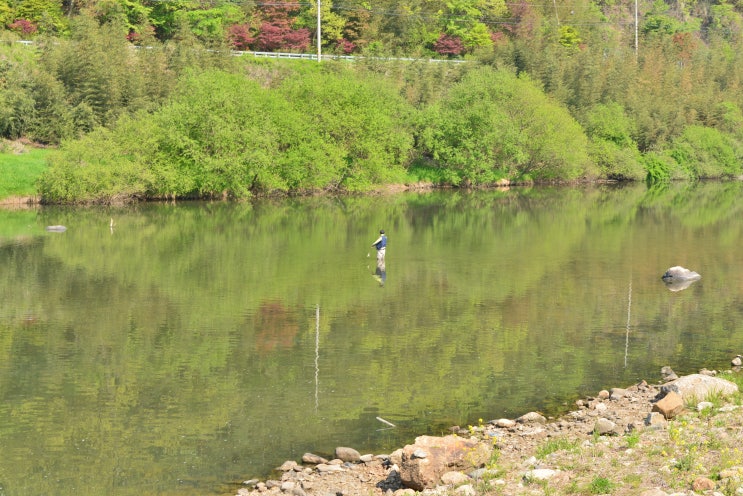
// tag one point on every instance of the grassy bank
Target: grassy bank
(20, 171)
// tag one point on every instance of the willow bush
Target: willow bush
(229, 135)
(706, 152)
(365, 118)
(612, 146)
(495, 125)
(225, 135)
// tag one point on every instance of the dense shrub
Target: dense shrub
(365, 119)
(98, 168)
(225, 135)
(612, 147)
(495, 125)
(705, 152)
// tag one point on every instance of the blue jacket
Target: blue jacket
(382, 242)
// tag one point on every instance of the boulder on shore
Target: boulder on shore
(699, 387)
(424, 462)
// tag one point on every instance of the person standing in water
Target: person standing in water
(380, 244)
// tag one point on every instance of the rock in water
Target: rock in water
(679, 273)
(678, 278)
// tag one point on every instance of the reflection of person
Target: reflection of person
(381, 273)
(380, 244)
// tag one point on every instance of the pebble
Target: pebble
(327, 467)
(541, 474)
(313, 459)
(466, 490)
(702, 405)
(288, 465)
(419, 453)
(504, 423)
(532, 417)
(347, 454)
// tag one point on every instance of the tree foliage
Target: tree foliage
(640, 107)
(612, 147)
(225, 135)
(705, 152)
(495, 125)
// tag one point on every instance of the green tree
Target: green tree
(46, 14)
(102, 76)
(495, 125)
(16, 112)
(6, 13)
(727, 117)
(331, 26)
(662, 21)
(130, 15)
(463, 19)
(52, 117)
(726, 22)
(209, 24)
(92, 67)
(363, 116)
(707, 153)
(570, 37)
(17, 106)
(225, 134)
(164, 16)
(612, 147)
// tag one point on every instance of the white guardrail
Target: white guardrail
(307, 56)
(312, 56)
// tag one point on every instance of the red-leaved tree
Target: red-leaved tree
(449, 45)
(23, 26)
(297, 39)
(270, 37)
(344, 46)
(276, 31)
(239, 37)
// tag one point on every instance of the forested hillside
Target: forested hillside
(147, 98)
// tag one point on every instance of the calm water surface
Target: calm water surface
(196, 345)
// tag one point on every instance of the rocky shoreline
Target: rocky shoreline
(680, 436)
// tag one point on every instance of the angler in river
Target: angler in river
(381, 244)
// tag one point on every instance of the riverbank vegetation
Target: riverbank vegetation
(148, 100)
(19, 172)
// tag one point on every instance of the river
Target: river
(191, 346)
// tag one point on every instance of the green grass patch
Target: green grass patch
(554, 445)
(19, 172)
(422, 172)
(633, 480)
(633, 438)
(601, 485)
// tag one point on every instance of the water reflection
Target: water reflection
(676, 286)
(380, 273)
(207, 343)
(678, 278)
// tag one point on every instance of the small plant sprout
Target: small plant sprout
(601, 485)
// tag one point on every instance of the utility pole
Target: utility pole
(319, 35)
(554, 2)
(636, 28)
